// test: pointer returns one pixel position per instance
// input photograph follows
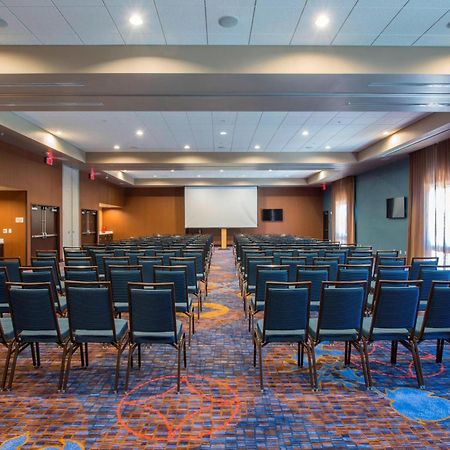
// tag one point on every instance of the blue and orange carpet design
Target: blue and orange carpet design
(220, 404)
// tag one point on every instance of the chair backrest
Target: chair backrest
(47, 253)
(251, 264)
(133, 256)
(147, 263)
(90, 307)
(437, 313)
(278, 254)
(309, 255)
(176, 275)
(396, 304)
(39, 275)
(418, 262)
(78, 261)
(267, 273)
(340, 254)
(48, 261)
(348, 272)
(32, 309)
(360, 253)
(98, 260)
(361, 260)
(393, 273)
(120, 276)
(293, 262)
(152, 308)
(391, 261)
(166, 255)
(316, 275)
(341, 306)
(287, 307)
(428, 274)
(80, 273)
(74, 252)
(12, 266)
(3, 280)
(191, 265)
(114, 261)
(386, 253)
(333, 262)
(199, 259)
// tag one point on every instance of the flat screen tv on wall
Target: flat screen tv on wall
(396, 208)
(272, 215)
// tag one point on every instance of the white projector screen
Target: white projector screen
(220, 207)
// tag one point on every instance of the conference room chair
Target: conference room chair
(340, 319)
(183, 301)
(83, 261)
(7, 340)
(202, 268)
(264, 274)
(44, 275)
(417, 262)
(97, 260)
(286, 320)
(149, 251)
(193, 284)
(333, 262)
(293, 262)
(357, 253)
(80, 273)
(153, 321)
(133, 256)
(34, 322)
(4, 306)
(347, 272)
(248, 277)
(147, 263)
(428, 274)
(91, 318)
(108, 261)
(387, 253)
(47, 253)
(435, 323)
(12, 265)
(396, 305)
(120, 276)
(316, 275)
(74, 252)
(340, 254)
(277, 255)
(166, 254)
(49, 261)
(309, 255)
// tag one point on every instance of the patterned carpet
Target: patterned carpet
(220, 404)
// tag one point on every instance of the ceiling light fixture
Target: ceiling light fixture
(136, 20)
(223, 133)
(305, 133)
(327, 147)
(154, 176)
(322, 21)
(198, 176)
(221, 171)
(228, 21)
(139, 133)
(58, 132)
(270, 170)
(385, 133)
(117, 147)
(257, 147)
(187, 147)
(172, 170)
(3, 23)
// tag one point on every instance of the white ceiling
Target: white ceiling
(214, 174)
(171, 131)
(195, 22)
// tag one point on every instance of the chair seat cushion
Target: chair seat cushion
(251, 289)
(192, 289)
(45, 336)
(384, 334)
(62, 303)
(257, 306)
(432, 333)
(121, 306)
(182, 307)
(279, 335)
(102, 336)
(7, 327)
(330, 334)
(4, 308)
(314, 306)
(160, 337)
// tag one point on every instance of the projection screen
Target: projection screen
(220, 207)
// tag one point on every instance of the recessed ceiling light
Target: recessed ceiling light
(187, 147)
(322, 21)
(228, 21)
(385, 133)
(3, 23)
(139, 133)
(136, 20)
(221, 170)
(223, 133)
(327, 147)
(270, 170)
(58, 132)
(257, 147)
(305, 133)
(154, 176)
(172, 170)
(198, 176)
(117, 147)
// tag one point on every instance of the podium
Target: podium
(223, 238)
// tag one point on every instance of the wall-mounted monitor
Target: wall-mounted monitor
(272, 215)
(396, 208)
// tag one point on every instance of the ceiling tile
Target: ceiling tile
(15, 26)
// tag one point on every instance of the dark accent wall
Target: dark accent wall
(372, 189)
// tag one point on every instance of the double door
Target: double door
(44, 228)
(88, 227)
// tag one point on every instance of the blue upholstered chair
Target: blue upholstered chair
(316, 275)
(396, 305)
(12, 265)
(80, 273)
(333, 262)
(286, 320)
(120, 276)
(108, 261)
(153, 321)
(4, 306)
(418, 262)
(147, 263)
(428, 274)
(78, 261)
(91, 320)
(293, 262)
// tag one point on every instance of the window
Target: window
(341, 221)
(437, 213)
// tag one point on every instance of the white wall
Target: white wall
(70, 207)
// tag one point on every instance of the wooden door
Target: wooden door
(88, 227)
(44, 228)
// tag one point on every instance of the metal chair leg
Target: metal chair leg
(184, 350)
(439, 350)
(260, 366)
(16, 352)
(178, 366)
(139, 356)
(394, 350)
(131, 348)
(417, 365)
(6, 367)
(366, 357)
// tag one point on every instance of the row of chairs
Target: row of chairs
(90, 319)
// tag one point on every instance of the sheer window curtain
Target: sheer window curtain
(429, 203)
(343, 205)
